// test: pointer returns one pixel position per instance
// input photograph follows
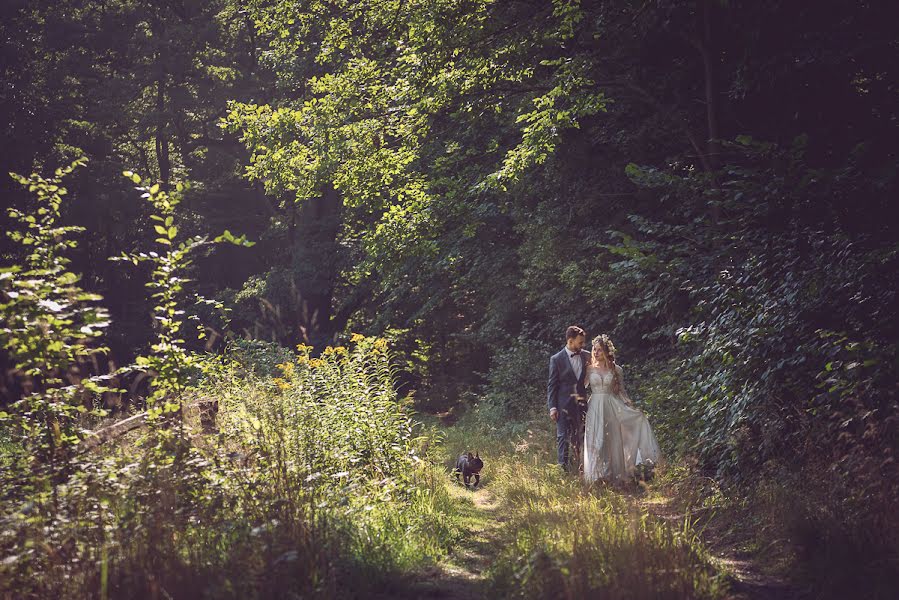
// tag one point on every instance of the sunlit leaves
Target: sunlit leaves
(171, 362)
(364, 118)
(227, 236)
(572, 98)
(49, 322)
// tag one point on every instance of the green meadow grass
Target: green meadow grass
(322, 483)
(558, 538)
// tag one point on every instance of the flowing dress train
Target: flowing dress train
(617, 437)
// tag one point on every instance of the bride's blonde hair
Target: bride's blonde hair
(605, 343)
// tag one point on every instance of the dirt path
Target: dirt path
(749, 580)
(461, 575)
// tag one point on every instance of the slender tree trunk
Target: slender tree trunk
(296, 330)
(326, 213)
(314, 269)
(162, 142)
(713, 147)
(251, 32)
(711, 88)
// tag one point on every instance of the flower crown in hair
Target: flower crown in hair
(606, 342)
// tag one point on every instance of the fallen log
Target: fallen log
(208, 408)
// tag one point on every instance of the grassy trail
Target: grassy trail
(462, 575)
(525, 511)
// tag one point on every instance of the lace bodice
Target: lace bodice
(599, 382)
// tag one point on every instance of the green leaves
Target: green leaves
(572, 98)
(171, 362)
(49, 323)
(227, 236)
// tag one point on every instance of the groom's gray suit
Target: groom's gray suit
(563, 387)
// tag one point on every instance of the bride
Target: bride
(617, 436)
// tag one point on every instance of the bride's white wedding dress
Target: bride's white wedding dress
(617, 436)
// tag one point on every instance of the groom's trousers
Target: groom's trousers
(569, 435)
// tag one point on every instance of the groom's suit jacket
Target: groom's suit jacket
(563, 383)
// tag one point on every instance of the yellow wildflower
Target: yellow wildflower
(286, 368)
(357, 337)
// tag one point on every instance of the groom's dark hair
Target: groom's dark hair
(573, 332)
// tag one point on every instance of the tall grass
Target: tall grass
(314, 486)
(560, 539)
(332, 430)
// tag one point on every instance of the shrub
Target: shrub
(516, 382)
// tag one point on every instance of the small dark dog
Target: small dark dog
(644, 471)
(469, 465)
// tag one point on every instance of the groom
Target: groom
(567, 394)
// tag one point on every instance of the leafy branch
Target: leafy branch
(171, 361)
(49, 324)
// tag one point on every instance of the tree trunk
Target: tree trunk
(312, 237)
(711, 87)
(713, 147)
(162, 143)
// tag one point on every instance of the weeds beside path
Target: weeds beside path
(749, 579)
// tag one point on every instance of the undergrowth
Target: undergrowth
(314, 486)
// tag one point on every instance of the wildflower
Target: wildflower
(357, 337)
(286, 368)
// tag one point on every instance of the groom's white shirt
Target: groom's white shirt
(576, 362)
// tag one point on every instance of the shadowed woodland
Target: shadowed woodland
(272, 266)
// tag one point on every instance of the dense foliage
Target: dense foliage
(48, 332)
(314, 477)
(710, 182)
(539, 165)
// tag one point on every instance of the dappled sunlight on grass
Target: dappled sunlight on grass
(562, 538)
